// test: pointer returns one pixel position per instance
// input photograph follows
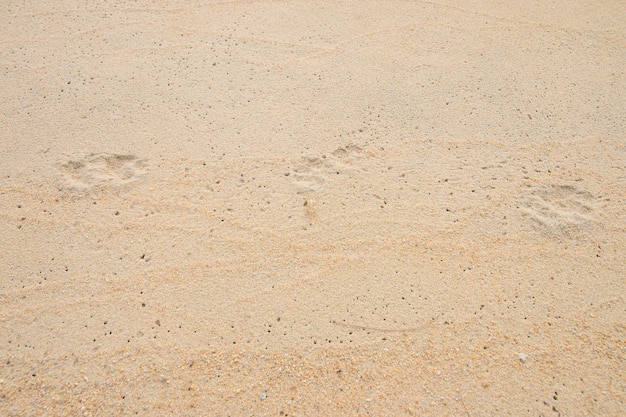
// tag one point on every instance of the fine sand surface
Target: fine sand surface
(303, 208)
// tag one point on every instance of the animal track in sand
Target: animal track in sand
(309, 173)
(102, 169)
(560, 210)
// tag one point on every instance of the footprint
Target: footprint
(560, 211)
(349, 154)
(309, 173)
(102, 169)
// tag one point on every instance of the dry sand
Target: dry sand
(299, 208)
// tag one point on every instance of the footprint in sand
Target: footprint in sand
(102, 169)
(309, 173)
(560, 210)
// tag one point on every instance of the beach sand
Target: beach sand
(302, 208)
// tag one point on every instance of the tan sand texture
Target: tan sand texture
(307, 208)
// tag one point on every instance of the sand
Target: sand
(300, 208)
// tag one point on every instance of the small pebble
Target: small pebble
(263, 396)
(522, 357)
